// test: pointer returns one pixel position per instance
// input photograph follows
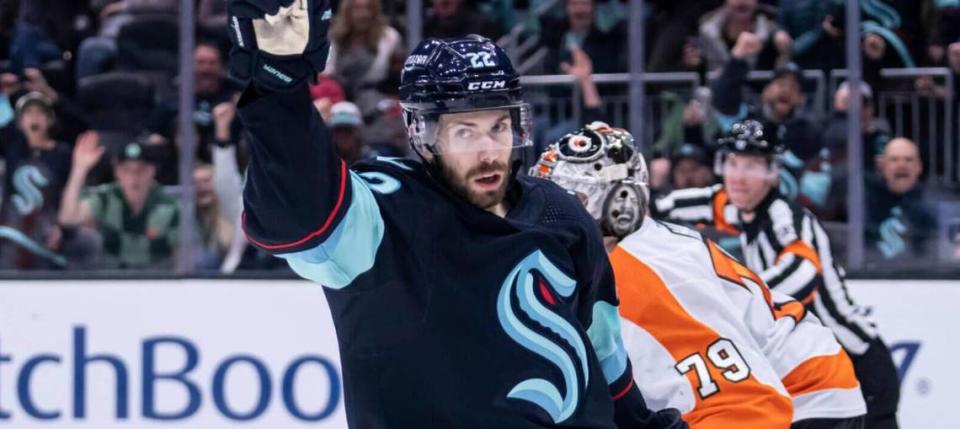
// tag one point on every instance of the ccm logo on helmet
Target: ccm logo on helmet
(490, 84)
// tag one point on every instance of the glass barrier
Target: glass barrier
(116, 165)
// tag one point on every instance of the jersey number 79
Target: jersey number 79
(724, 356)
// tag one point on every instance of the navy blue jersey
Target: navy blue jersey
(446, 315)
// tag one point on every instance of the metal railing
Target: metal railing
(905, 108)
(929, 120)
(569, 108)
(817, 102)
(617, 106)
(913, 99)
(521, 46)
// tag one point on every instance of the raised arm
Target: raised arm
(300, 201)
(728, 88)
(86, 153)
(297, 187)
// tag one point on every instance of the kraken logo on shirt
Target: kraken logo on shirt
(28, 183)
(891, 234)
(523, 284)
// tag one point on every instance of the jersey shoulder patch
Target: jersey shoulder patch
(783, 218)
(388, 175)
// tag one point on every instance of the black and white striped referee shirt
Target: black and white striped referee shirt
(786, 245)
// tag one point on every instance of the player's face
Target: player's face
(475, 149)
(748, 179)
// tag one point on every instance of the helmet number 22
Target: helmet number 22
(479, 60)
(724, 356)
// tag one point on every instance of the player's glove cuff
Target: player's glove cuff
(669, 418)
(278, 43)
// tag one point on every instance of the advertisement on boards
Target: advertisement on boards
(263, 354)
(184, 354)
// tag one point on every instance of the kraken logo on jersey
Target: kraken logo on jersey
(891, 234)
(523, 284)
(28, 182)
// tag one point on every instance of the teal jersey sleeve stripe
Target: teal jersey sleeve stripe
(351, 248)
(604, 334)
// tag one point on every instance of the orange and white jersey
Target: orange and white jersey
(707, 337)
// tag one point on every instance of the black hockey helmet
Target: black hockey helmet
(459, 75)
(750, 137)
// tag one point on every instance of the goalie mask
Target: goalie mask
(600, 164)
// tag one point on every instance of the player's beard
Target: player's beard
(483, 199)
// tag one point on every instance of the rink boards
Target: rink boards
(263, 354)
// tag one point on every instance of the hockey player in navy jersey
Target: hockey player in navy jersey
(463, 295)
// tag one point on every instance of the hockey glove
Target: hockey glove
(668, 418)
(278, 43)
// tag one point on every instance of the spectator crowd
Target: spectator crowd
(89, 136)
